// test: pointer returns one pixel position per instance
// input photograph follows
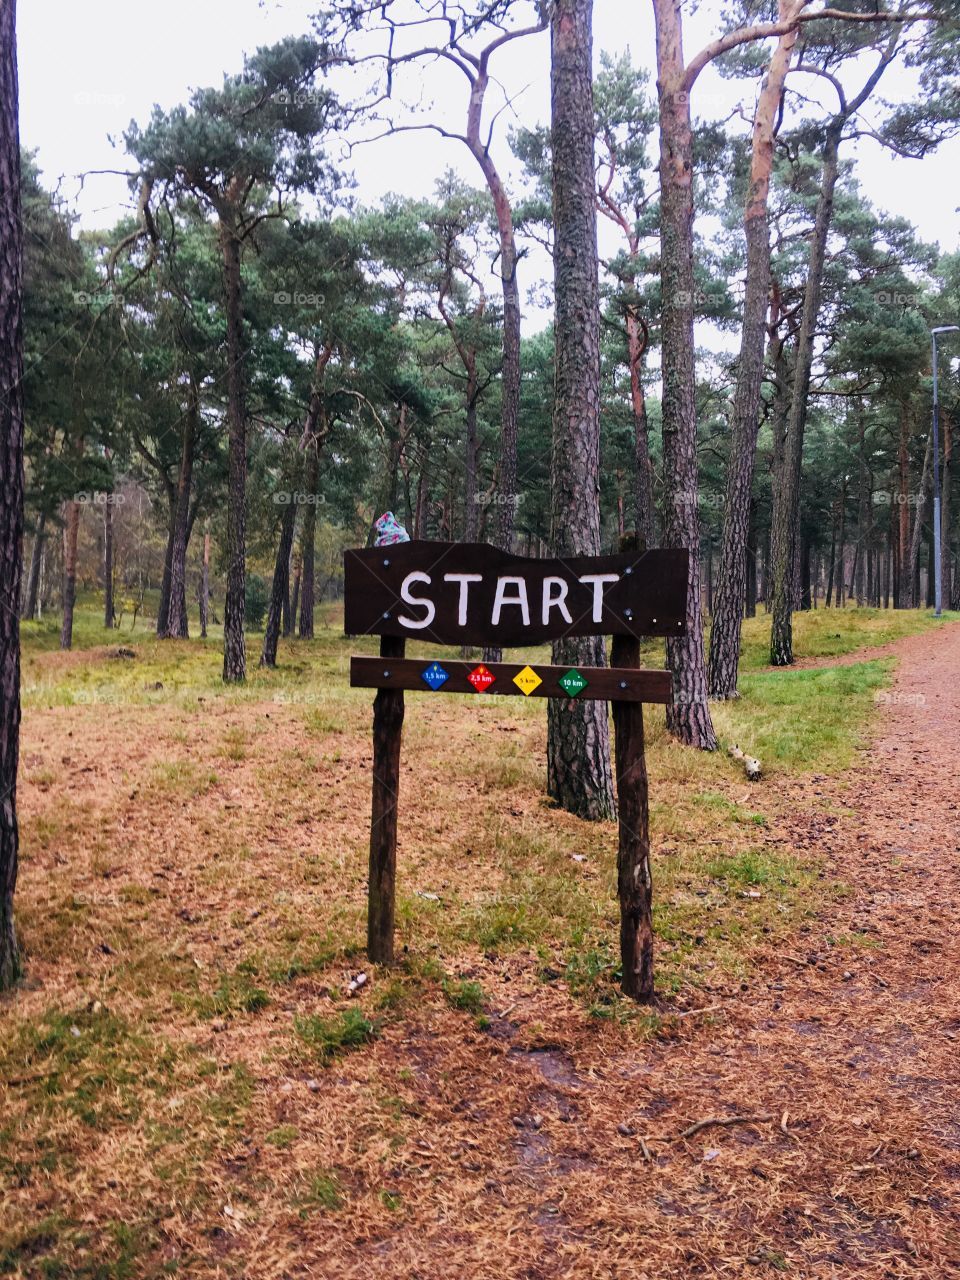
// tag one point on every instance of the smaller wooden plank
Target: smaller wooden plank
(637, 684)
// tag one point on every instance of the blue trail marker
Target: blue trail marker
(435, 675)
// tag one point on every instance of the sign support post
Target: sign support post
(634, 879)
(387, 735)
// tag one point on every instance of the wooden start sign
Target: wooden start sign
(467, 594)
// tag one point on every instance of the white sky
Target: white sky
(87, 68)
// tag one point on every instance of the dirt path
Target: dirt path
(530, 1161)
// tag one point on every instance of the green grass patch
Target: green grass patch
(328, 1038)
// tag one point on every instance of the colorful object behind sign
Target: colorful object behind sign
(480, 678)
(389, 531)
(527, 680)
(572, 683)
(435, 675)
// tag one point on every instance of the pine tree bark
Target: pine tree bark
(912, 569)
(71, 529)
(36, 560)
(903, 514)
(205, 585)
(176, 620)
(784, 531)
(308, 538)
(280, 589)
(11, 483)
(234, 637)
(745, 425)
(751, 563)
(108, 609)
(643, 474)
(579, 776)
(163, 607)
(689, 715)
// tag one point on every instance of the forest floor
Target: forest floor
(188, 1088)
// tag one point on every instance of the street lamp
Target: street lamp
(937, 545)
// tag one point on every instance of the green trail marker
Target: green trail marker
(572, 683)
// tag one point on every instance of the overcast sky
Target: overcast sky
(87, 68)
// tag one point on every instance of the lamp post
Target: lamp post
(937, 545)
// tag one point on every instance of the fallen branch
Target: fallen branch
(725, 1122)
(689, 1013)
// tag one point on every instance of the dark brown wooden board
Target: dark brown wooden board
(635, 684)
(648, 598)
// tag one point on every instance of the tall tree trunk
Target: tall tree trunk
(234, 638)
(163, 608)
(912, 569)
(745, 426)
(36, 560)
(833, 553)
(750, 560)
(947, 422)
(176, 621)
(643, 482)
(688, 717)
(308, 537)
(205, 585)
(805, 596)
(579, 776)
(903, 542)
(784, 543)
(11, 482)
(280, 590)
(510, 368)
(71, 528)
(109, 616)
(472, 513)
(297, 575)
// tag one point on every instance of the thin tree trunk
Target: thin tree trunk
(688, 717)
(947, 476)
(36, 560)
(234, 638)
(297, 575)
(472, 513)
(903, 550)
(308, 537)
(176, 621)
(71, 529)
(280, 590)
(163, 608)
(108, 609)
(750, 559)
(11, 483)
(205, 585)
(579, 776)
(643, 487)
(784, 544)
(833, 552)
(912, 571)
(731, 586)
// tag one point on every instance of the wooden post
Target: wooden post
(387, 733)
(634, 879)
